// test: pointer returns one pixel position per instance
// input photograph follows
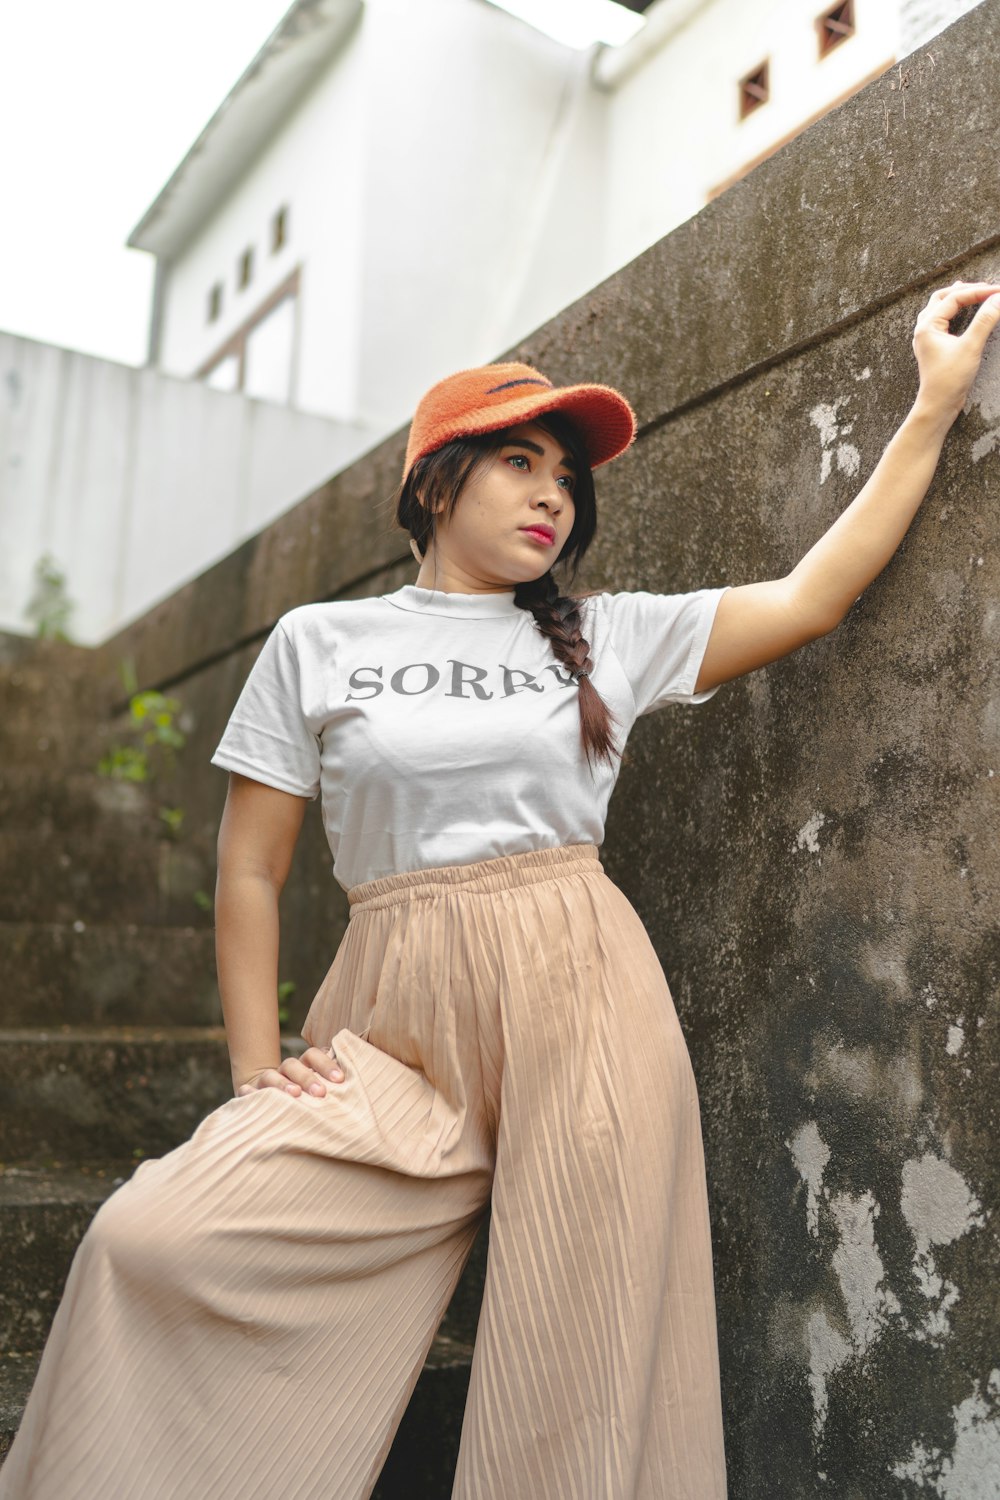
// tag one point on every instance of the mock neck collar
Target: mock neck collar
(456, 606)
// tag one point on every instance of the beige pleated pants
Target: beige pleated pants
(248, 1315)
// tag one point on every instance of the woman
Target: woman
(248, 1315)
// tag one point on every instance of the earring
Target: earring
(416, 550)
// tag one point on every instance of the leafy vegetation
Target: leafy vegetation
(50, 606)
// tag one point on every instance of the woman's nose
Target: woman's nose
(550, 496)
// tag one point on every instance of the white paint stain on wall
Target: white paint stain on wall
(971, 1471)
(890, 1082)
(832, 431)
(939, 1207)
(956, 1036)
(827, 1349)
(869, 1302)
(810, 1153)
(807, 836)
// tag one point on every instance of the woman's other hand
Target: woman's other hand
(310, 1072)
(948, 362)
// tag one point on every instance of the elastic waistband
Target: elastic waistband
(481, 877)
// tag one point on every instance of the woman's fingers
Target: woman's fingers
(960, 294)
(949, 362)
(961, 288)
(312, 1071)
(309, 1073)
(934, 321)
(268, 1078)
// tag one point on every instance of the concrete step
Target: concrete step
(54, 734)
(93, 1093)
(34, 800)
(17, 1376)
(60, 709)
(92, 974)
(44, 1214)
(106, 876)
(36, 686)
(423, 1456)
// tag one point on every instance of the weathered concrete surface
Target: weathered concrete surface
(814, 851)
(105, 1093)
(66, 878)
(17, 1376)
(76, 973)
(53, 708)
(43, 1216)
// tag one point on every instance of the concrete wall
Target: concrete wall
(133, 481)
(815, 852)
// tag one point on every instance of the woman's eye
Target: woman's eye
(518, 458)
(570, 482)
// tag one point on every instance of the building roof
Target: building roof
(294, 54)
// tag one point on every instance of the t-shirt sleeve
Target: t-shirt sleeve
(269, 737)
(660, 641)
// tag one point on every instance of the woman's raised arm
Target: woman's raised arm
(757, 623)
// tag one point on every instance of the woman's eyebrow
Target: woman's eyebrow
(566, 461)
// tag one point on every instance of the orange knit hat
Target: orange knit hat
(495, 396)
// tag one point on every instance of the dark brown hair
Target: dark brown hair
(440, 478)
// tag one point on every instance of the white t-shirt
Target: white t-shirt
(441, 729)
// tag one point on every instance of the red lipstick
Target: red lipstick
(544, 534)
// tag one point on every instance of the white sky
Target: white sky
(99, 101)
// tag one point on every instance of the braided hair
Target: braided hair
(440, 478)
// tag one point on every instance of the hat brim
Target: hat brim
(605, 419)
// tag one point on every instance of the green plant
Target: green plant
(202, 900)
(126, 671)
(153, 714)
(125, 763)
(50, 605)
(286, 989)
(172, 817)
(156, 739)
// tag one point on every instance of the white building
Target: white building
(395, 189)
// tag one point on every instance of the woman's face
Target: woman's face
(486, 544)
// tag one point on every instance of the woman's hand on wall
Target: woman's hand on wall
(757, 623)
(948, 362)
(310, 1073)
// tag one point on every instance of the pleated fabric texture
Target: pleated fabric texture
(248, 1315)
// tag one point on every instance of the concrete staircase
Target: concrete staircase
(110, 1027)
